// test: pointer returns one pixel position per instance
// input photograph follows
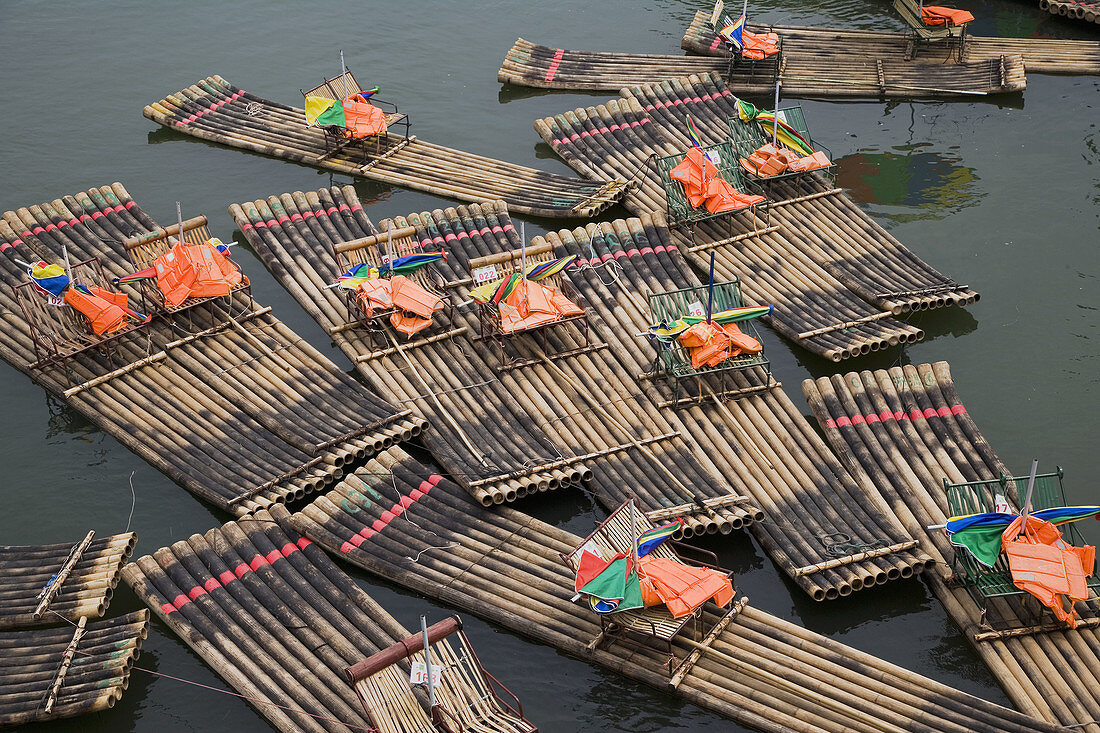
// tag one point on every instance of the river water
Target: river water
(1003, 195)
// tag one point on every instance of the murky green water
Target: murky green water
(1002, 195)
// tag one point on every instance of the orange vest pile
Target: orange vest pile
(759, 46)
(712, 343)
(682, 588)
(102, 308)
(705, 187)
(533, 304)
(1047, 567)
(936, 15)
(769, 160)
(413, 305)
(362, 118)
(196, 271)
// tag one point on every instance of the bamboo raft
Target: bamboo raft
(214, 110)
(1088, 12)
(836, 277)
(48, 674)
(503, 565)
(225, 400)
(819, 74)
(906, 429)
(272, 615)
(758, 440)
(41, 583)
(1040, 55)
(563, 415)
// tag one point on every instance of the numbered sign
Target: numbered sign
(418, 675)
(485, 274)
(696, 309)
(714, 157)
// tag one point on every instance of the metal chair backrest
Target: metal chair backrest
(338, 87)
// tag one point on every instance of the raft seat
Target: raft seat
(466, 695)
(747, 137)
(143, 251)
(975, 497)
(492, 328)
(910, 11)
(337, 138)
(59, 333)
(673, 360)
(680, 212)
(373, 251)
(642, 627)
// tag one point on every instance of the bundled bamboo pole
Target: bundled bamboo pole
(503, 565)
(272, 615)
(760, 441)
(1040, 55)
(29, 572)
(831, 273)
(222, 397)
(905, 429)
(48, 674)
(213, 109)
(819, 74)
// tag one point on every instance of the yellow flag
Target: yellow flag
(315, 107)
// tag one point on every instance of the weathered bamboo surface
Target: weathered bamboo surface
(272, 615)
(48, 674)
(214, 110)
(502, 433)
(1040, 55)
(832, 272)
(824, 73)
(1088, 12)
(503, 565)
(33, 591)
(760, 440)
(905, 429)
(226, 400)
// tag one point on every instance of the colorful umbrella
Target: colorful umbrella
(980, 534)
(786, 134)
(668, 332)
(351, 279)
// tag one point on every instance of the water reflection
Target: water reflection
(65, 420)
(927, 184)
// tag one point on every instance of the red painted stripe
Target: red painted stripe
(273, 556)
(180, 601)
(303, 543)
(858, 420)
(260, 224)
(227, 577)
(241, 569)
(257, 562)
(307, 213)
(283, 218)
(957, 410)
(714, 44)
(392, 513)
(295, 216)
(843, 422)
(212, 584)
(288, 549)
(195, 592)
(554, 65)
(245, 227)
(167, 608)
(830, 423)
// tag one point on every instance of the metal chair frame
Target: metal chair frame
(746, 137)
(337, 138)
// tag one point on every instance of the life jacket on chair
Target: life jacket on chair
(936, 15)
(100, 308)
(1046, 566)
(362, 118)
(196, 271)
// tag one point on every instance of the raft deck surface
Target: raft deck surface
(272, 615)
(504, 566)
(223, 398)
(36, 683)
(835, 276)
(1040, 55)
(820, 74)
(504, 431)
(90, 566)
(755, 434)
(215, 110)
(906, 429)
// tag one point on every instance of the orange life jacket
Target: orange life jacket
(682, 588)
(758, 46)
(362, 118)
(742, 340)
(936, 15)
(408, 323)
(374, 293)
(195, 271)
(408, 296)
(1045, 566)
(102, 313)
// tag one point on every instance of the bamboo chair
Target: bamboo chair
(679, 211)
(372, 252)
(910, 11)
(749, 71)
(643, 627)
(503, 264)
(984, 584)
(60, 333)
(143, 251)
(673, 361)
(748, 136)
(337, 138)
(466, 694)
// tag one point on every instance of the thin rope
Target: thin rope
(133, 501)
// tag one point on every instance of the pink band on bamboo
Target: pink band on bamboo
(212, 584)
(554, 64)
